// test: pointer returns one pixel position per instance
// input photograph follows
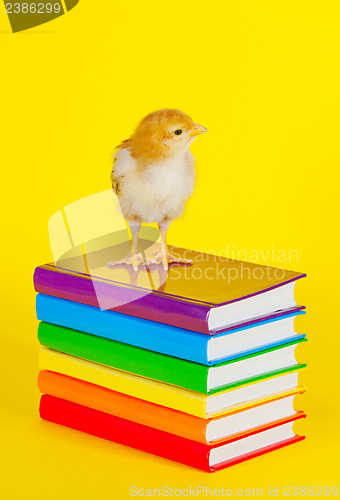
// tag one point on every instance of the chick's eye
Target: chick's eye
(178, 132)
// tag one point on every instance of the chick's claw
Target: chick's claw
(176, 260)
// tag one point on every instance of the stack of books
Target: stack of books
(197, 365)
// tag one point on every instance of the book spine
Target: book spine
(139, 332)
(153, 306)
(125, 432)
(128, 358)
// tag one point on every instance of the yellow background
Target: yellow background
(263, 77)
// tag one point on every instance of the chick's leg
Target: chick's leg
(163, 255)
(164, 250)
(135, 258)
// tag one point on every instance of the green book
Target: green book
(168, 369)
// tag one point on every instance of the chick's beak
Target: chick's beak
(197, 129)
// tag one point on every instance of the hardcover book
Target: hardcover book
(208, 296)
(206, 457)
(245, 395)
(168, 369)
(207, 431)
(167, 339)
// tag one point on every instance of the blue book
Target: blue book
(171, 340)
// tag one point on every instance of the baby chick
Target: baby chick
(153, 175)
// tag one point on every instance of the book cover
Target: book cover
(147, 439)
(154, 365)
(156, 336)
(185, 297)
(177, 398)
(146, 413)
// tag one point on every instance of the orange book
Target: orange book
(238, 422)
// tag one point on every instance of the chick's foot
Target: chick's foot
(166, 258)
(132, 260)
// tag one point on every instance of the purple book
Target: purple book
(212, 295)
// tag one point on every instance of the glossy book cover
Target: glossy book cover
(163, 418)
(154, 441)
(168, 369)
(255, 391)
(186, 296)
(168, 339)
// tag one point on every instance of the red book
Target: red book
(206, 457)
